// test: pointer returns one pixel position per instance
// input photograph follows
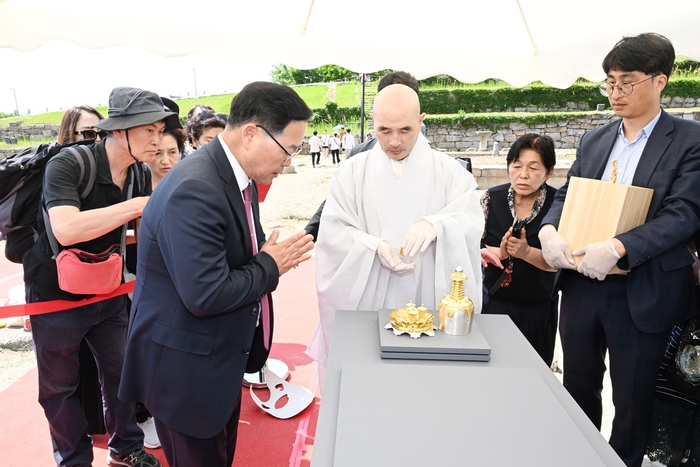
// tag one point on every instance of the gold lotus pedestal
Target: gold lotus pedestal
(412, 320)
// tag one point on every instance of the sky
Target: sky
(60, 75)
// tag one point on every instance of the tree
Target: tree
(288, 75)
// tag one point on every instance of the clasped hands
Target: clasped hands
(598, 258)
(290, 252)
(418, 238)
(514, 246)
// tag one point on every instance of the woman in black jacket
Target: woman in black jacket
(523, 290)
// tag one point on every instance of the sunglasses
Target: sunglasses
(91, 134)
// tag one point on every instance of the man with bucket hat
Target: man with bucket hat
(92, 222)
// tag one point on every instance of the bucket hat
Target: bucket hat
(130, 107)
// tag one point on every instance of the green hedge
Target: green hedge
(446, 101)
(685, 65)
(683, 87)
(504, 99)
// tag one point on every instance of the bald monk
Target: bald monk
(400, 195)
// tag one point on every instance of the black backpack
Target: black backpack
(21, 177)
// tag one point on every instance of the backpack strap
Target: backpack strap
(85, 155)
(134, 179)
(129, 195)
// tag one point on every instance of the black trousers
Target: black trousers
(89, 391)
(318, 158)
(335, 153)
(57, 338)
(182, 450)
(595, 318)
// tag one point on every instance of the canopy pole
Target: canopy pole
(306, 23)
(362, 111)
(535, 49)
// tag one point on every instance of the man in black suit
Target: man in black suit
(630, 315)
(201, 314)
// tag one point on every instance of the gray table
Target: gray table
(507, 412)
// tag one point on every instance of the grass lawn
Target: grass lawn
(315, 96)
(24, 143)
(38, 119)
(221, 103)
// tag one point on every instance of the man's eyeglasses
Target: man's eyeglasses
(91, 134)
(289, 155)
(624, 89)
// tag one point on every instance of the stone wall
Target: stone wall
(453, 138)
(27, 133)
(675, 102)
(566, 133)
(488, 176)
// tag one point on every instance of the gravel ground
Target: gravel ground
(14, 363)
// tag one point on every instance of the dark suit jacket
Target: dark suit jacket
(192, 331)
(660, 284)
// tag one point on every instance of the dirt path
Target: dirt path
(294, 198)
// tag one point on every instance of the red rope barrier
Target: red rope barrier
(40, 308)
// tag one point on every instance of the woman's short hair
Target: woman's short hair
(541, 144)
(201, 123)
(180, 138)
(69, 122)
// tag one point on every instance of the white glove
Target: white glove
(555, 249)
(419, 237)
(390, 260)
(599, 258)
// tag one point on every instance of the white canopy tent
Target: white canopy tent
(519, 41)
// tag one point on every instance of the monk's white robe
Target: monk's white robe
(366, 204)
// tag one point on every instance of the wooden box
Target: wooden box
(595, 210)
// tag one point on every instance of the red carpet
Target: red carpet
(263, 441)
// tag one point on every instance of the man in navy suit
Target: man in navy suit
(201, 315)
(630, 315)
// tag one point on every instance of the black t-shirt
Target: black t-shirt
(529, 284)
(61, 188)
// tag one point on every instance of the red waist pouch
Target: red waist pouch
(84, 273)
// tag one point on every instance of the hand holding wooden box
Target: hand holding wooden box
(595, 210)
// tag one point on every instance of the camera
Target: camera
(517, 227)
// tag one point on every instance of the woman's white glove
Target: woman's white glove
(419, 237)
(390, 260)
